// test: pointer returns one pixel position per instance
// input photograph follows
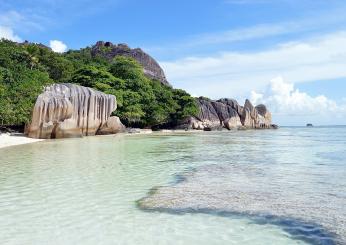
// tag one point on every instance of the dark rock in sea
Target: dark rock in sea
(151, 68)
(274, 126)
(227, 113)
(309, 125)
(68, 110)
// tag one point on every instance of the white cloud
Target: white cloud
(21, 22)
(235, 73)
(315, 23)
(289, 105)
(57, 46)
(7, 33)
(283, 98)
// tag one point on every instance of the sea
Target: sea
(284, 186)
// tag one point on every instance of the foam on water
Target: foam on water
(84, 191)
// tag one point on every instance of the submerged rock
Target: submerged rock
(245, 190)
(68, 110)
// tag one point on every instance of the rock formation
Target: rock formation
(227, 113)
(68, 110)
(151, 68)
(265, 117)
(112, 126)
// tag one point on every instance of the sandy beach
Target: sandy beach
(7, 140)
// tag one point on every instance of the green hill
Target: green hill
(142, 101)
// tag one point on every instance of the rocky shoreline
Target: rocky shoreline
(228, 114)
(68, 110)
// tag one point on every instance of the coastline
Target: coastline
(7, 140)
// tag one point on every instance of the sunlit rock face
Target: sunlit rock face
(112, 126)
(249, 117)
(227, 113)
(264, 116)
(68, 110)
(207, 117)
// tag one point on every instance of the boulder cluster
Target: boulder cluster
(68, 110)
(227, 113)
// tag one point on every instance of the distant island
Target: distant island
(103, 89)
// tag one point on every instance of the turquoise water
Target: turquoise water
(283, 186)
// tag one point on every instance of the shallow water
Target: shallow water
(84, 191)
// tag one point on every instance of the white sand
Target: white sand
(8, 140)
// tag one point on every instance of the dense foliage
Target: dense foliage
(26, 68)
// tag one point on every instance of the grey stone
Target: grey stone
(68, 110)
(229, 114)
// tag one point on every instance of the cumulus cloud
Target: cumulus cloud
(236, 73)
(57, 46)
(284, 100)
(7, 33)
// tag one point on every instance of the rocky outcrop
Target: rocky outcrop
(249, 117)
(112, 126)
(151, 68)
(68, 110)
(264, 116)
(227, 113)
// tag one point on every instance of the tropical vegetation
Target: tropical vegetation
(142, 102)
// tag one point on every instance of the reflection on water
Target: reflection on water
(84, 191)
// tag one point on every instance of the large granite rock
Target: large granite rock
(227, 113)
(207, 117)
(151, 68)
(249, 117)
(264, 117)
(68, 110)
(112, 126)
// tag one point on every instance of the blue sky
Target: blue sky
(216, 48)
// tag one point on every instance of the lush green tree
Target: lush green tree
(187, 105)
(91, 76)
(22, 78)
(131, 112)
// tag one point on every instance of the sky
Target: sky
(288, 54)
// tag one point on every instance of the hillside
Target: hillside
(138, 82)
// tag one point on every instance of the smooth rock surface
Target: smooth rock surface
(112, 126)
(249, 117)
(265, 117)
(227, 113)
(68, 110)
